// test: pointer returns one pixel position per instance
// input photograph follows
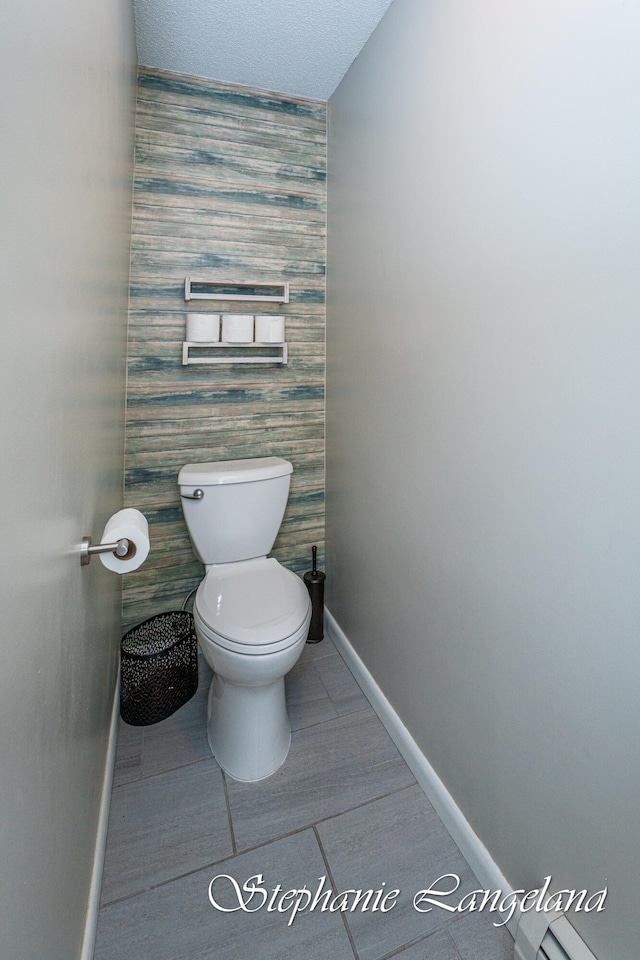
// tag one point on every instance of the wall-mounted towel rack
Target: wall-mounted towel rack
(226, 351)
(235, 290)
(235, 352)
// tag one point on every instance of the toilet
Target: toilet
(251, 614)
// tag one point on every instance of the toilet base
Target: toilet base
(248, 727)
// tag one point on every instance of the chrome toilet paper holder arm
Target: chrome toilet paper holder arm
(124, 549)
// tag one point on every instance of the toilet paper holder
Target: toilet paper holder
(124, 549)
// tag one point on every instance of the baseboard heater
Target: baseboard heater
(549, 936)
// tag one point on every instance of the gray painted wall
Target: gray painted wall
(483, 419)
(65, 193)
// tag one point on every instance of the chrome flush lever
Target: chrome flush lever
(196, 495)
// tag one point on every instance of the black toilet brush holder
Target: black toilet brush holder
(314, 580)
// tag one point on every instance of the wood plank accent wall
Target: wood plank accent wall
(230, 183)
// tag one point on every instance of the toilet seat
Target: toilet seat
(252, 606)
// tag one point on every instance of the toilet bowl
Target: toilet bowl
(252, 620)
(251, 614)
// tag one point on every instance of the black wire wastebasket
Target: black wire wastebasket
(159, 668)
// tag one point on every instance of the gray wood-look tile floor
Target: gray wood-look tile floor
(186, 844)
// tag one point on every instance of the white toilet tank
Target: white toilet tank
(240, 512)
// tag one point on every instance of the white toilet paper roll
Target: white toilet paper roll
(269, 329)
(133, 525)
(237, 327)
(203, 327)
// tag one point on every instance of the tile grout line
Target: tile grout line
(191, 763)
(445, 930)
(162, 773)
(332, 816)
(234, 846)
(441, 928)
(338, 716)
(334, 887)
(258, 846)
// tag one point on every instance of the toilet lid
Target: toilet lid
(253, 602)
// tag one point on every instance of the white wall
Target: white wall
(483, 437)
(67, 79)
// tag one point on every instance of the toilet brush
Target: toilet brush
(314, 580)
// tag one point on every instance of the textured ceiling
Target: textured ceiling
(299, 47)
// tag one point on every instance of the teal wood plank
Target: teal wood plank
(236, 140)
(229, 98)
(206, 160)
(192, 216)
(239, 196)
(174, 117)
(181, 414)
(151, 221)
(212, 266)
(235, 244)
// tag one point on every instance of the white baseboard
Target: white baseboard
(91, 920)
(470, 845)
